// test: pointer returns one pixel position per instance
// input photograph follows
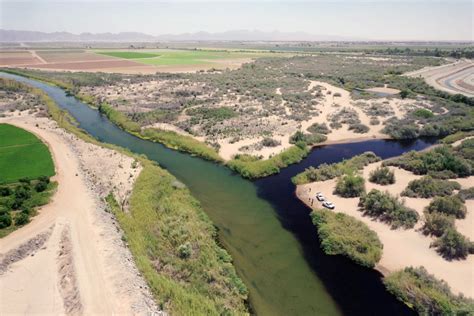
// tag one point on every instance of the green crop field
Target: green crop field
(168, 57)
(22, 155)
(129, 55)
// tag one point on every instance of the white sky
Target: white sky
(376, 20)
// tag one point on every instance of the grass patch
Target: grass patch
(174, 246)
(341, 234)
(426, 294)
(22, 155)
(253, 167)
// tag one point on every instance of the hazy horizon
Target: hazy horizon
(406, 20)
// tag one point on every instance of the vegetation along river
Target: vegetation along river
(263, 225)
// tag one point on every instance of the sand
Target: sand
(84, 266)
(403, 248)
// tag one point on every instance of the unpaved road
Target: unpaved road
(457, 77)
(82, 267)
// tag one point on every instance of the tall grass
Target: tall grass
(173, 243)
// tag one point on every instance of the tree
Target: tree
(404, 94)
(5, 220)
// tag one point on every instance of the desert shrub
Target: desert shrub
(382, 176)
(270, 142)
(441, 158)
(452, 245)
(350, 185)
(437, 223)
(341, 234)
(184, 250)
(308, 139)
(426, 294)
(215, 114)
(374, 121)
(319, 128)
(466, 194)
(388, 208)
(449, 205)
(331, 171)
(359, 128)
(5, 220)
(400, 130)
(427, 187)
(423, 113)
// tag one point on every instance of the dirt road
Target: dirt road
(82, 267)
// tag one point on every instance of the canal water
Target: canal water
(263, 225)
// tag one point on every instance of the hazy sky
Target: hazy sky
(377, 19)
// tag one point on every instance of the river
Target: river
(266, 229)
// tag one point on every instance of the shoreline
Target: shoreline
(411, 241)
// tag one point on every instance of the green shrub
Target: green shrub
(331, 171)
(452, 245)
(350, 185)
(270, 142)
(341, 234)
(426, 294)
(5, 191)
(21, 219)
(466, 194)
(441, 158)
(359, 128)
(41, 186)
(427, 187)
(437, 223)
(308, 139)
(5, 220)
(382, 176)
(388, 208)
(449, 205)
(423, 113)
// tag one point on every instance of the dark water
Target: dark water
(264, 226)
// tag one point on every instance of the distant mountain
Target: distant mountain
(237, 35)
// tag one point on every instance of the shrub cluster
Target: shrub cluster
(428, 295)
(388, 208)
(449, 205)
(382, 176)
(341, 234)
(302, 139)
(437, 223)
(331, 171)
(350, 185)
(427, 187)
(19, 200)
(319, 128)
(466, 194)
(453, 245)
(440, 159)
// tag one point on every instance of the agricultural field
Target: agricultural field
(22, 155)
(143, 61)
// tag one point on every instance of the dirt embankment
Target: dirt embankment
(80, 265)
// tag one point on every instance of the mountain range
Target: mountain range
(235, 35)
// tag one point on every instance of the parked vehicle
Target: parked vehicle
(320, 196)
(328, 205)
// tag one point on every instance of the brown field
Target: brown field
(66, 56)
(12, 58)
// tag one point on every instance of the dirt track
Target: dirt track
(79, 265)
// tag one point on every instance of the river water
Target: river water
(266, 229)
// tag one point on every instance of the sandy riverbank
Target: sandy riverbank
(404, 248)
(82, 266)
